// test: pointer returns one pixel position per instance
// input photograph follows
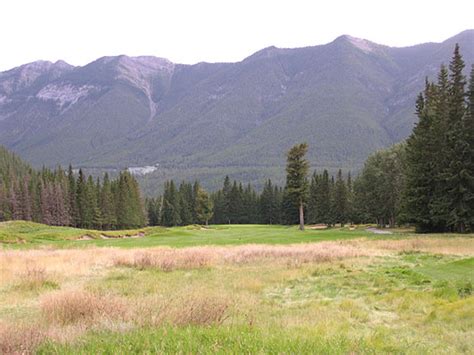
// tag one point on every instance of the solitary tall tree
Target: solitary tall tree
(296, 177)
(203, 206)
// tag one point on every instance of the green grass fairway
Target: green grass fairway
(20, 234)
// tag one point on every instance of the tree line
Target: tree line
(236, 203)
(60, 198)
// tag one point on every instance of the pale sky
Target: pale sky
(213, 30)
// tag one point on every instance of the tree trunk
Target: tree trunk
(207, 223)
(301, 217)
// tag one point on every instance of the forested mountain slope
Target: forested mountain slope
(346, 99)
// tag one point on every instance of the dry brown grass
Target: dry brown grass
(168, 259)
(193, 309)
(430, 244)
(69, 307)
(19, 339)
(203, 311)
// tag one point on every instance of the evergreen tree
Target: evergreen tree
(469, 163)
(340, 200)
(459, 180)
(234, 204)
(227, 199)
(81, 193)
(72, 191)
(218, 203)
(296, 178)
(350, 198)
(186, 204)
(170, 215)
(130, 210)
(312, 210)
(106, 203)
(26, 200)
(421, 149)
(323, 207)
(203, 206)
(268, 204)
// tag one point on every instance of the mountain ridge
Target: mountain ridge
(346, 98)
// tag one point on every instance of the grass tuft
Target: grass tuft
(69, 307)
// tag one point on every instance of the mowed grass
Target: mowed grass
(20, 234)
(350, 292)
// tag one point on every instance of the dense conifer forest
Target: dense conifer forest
(62, 198)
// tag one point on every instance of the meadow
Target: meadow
(234, 289)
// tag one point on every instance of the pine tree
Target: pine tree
(153, 210)
(130, 210)
(268, 204)
(170, 215)
(312, 210)
(81, 193)
(458, 178)
(296, 178)
(469, 163)
(324, 199)
(26, 200)
(227, 198)
(218, 203)
(421, 148)
(350, 198)
(234, 203)
(106, 203)
(15, 206)
(340, 200)
(46, 204)
(72, 191)
(203, 206)
(186, 204)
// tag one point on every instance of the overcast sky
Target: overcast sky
(212, 30)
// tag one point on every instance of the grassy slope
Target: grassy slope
(16, 233)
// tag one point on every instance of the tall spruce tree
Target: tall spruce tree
(323, 210)
(421, 148)
(268, 204)
(170, 215)
(313, 201)
(203, 206)
(458, 178)
(340, 200)
(469, 131)
(296, 178)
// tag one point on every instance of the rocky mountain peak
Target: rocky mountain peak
(25, 76)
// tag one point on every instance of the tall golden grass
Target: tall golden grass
(66, 313)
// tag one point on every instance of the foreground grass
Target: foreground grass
(398, 295)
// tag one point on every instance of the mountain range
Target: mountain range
(346, 98)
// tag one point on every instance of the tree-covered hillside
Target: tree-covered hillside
(346, 99)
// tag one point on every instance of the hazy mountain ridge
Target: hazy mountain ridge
(346, 99)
